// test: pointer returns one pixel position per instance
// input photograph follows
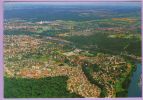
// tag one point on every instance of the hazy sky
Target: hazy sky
(74, 3)
(13, 5)
(72, 0)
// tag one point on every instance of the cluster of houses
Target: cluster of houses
(59, 63)
(34, 26)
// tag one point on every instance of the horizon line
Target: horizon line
(72, 1)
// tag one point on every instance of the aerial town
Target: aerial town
(98, 56)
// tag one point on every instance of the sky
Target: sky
(73, 3)
(72, 0)
(18, 5)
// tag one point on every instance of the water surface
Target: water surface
(135, 90)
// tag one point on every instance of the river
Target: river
(135, 90)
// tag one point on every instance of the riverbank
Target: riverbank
(130, 87)
(135, 89)
(122, 85)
